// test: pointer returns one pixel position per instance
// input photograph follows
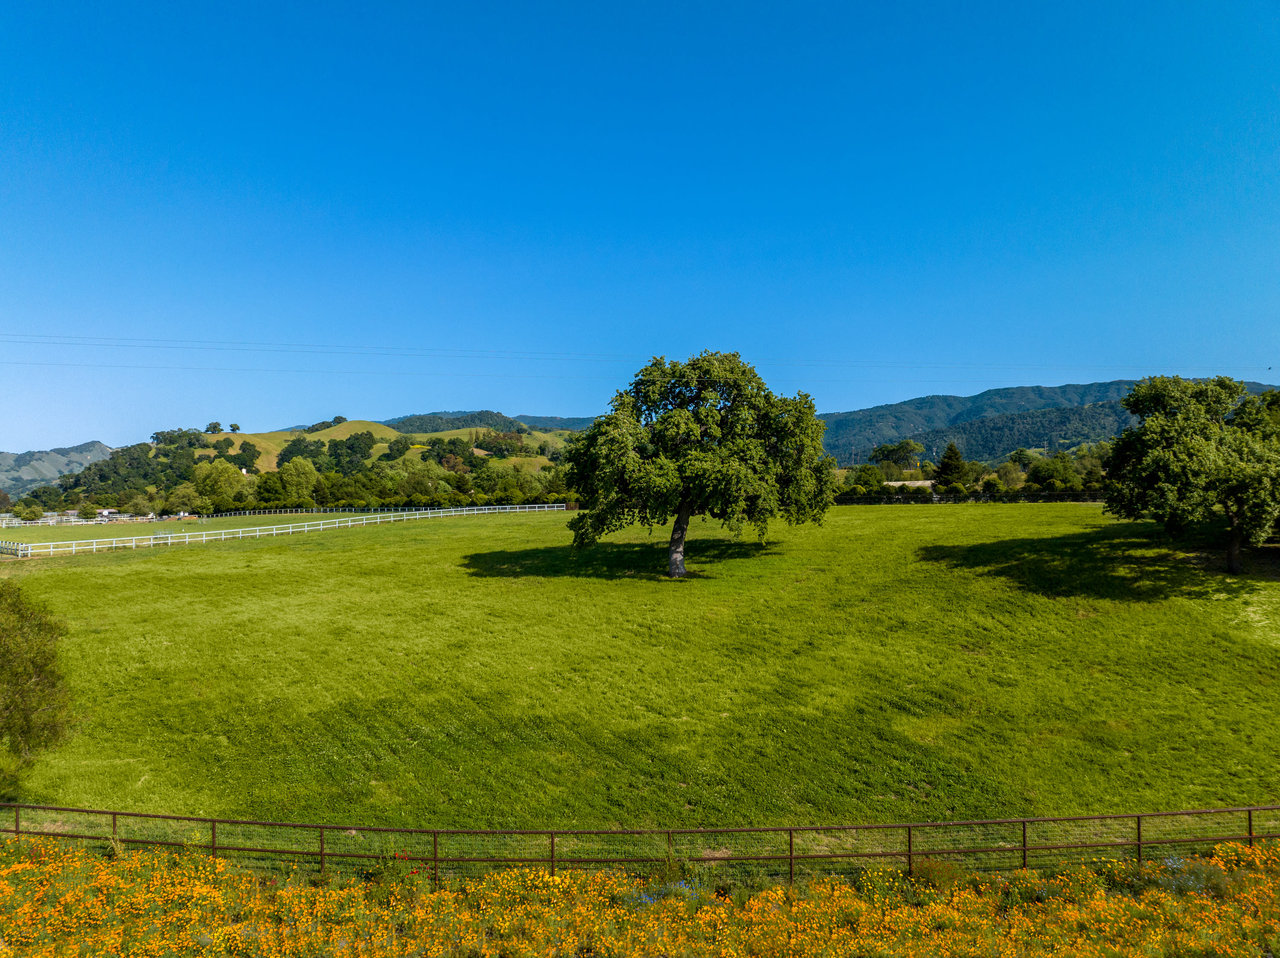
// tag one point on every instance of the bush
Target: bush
(33, 696)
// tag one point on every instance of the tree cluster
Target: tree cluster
(1204, 455)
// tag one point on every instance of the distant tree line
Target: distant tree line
(435, 422)
(1023, 472)
(186, 471)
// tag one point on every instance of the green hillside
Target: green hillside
(898, 663)
(851, 436)
(21, 472)
(440, 422)
(989, 425)
(994, 437)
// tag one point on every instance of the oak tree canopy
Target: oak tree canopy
(704, 437)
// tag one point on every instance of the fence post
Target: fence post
(1251, 828)
(553, 854)
(791, 856)
(1138, 819)
(435, 858)
(17, 821)
(113, 827)
(213, 839)
(322, 848)
(669, 846)
(1024, 844)
(911, 862)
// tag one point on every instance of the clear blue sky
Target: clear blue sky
(334, 210)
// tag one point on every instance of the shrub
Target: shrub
(33, 696)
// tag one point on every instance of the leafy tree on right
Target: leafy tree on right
(1203, 453)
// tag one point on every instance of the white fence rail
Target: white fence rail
(8, 521)
(28, 550)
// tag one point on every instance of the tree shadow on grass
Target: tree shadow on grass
(608, 560)
(1122, 562)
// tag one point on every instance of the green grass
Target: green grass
(897, 663)
(129, 530)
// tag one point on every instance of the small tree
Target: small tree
(33, 696)
(703, 437)
(952, 468)
(87, 510)
(213, 427)
(299, 478)
(185, 498)
(1202, 452)
(234, 427)
(905, 454)
(28, 511)
(138, 505)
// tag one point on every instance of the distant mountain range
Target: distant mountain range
(987, 426)
(991, 424)
(573, 423)
(24, 471)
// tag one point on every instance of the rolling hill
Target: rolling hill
(991, 424)
(851, 436)
(24, 471)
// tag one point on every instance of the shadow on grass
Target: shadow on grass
(608, 560)
(1122, 562)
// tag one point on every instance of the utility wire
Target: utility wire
(454, 353)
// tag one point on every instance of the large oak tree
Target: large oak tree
(1203, 452)
(699, 438)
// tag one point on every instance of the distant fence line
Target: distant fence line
(927, 499)
(9, 522)
(990, 845)
(27, 550)
(908, 498)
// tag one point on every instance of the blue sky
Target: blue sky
(273, 217)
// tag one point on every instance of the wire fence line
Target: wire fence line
(28, 550)
(773, 852)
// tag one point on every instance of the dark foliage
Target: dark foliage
(439, 422)
(33, 695)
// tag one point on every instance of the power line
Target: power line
(443, 352)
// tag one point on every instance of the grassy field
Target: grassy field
(898, 663)
(127, 530)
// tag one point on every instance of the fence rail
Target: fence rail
(992, 844)
(27, 550)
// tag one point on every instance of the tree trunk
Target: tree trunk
(1234, 544)
(675, 561)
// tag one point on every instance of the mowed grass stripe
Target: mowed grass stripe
(897, 663)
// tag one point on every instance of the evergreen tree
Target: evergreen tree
(951, 469)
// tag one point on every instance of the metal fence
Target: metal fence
(27, 550)
(776, 852)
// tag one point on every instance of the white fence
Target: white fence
(27, 550)
(7, 520)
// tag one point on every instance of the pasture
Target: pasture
(125, 530)
(898, 663)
